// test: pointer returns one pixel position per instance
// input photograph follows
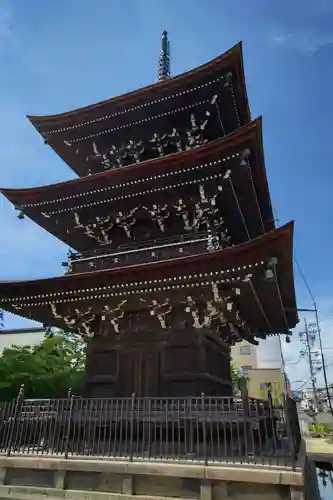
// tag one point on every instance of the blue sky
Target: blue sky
(55, 56)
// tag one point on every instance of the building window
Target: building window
(245, 349)
(245, 370)
(266, 386)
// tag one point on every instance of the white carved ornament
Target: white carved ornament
(82, 320)
(157, 145)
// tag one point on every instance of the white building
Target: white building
(269, 352)
(267, 355)
(260, 365)
(21, 337)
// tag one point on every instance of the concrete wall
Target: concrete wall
(26, 478)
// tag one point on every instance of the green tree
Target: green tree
(48, 370)
(235, 378)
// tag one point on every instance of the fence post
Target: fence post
(14, 419)
(70, 403)
(204, 429)
(290, 436)
(243, 385)
(132, 426)
(244, 396)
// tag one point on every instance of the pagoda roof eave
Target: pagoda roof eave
(40, 203)
(277, 243)
(19, 196)
(128, 98)
(283, 233)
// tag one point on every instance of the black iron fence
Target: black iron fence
(191, 429)
(294, 427)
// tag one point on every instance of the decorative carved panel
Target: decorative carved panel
(192, 133)
(208, 310)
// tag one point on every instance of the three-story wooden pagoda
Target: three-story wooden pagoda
(174, 252)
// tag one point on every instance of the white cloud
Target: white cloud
(306, 42)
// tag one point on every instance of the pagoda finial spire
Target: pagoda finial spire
(164, 70)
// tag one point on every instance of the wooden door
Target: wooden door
(138, 373)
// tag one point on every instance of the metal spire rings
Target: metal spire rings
(164, 70)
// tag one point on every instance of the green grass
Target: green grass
(322, 429)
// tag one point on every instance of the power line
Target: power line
(315, 310)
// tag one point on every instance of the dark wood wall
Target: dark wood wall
(158, 363)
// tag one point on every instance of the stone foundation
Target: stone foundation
(85, 479)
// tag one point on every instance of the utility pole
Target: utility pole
(312, 372)
(308, 343)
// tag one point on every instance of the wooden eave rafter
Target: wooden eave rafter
(53, 197)
(234, 56)
(136, 171)
(278, 244)
(92, 121)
